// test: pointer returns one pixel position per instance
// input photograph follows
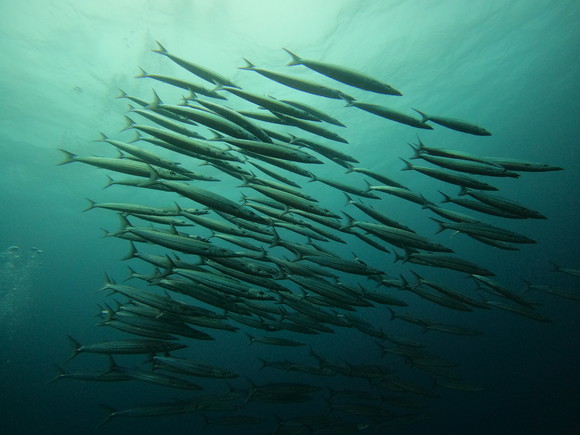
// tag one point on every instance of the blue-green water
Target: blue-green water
(508, 66)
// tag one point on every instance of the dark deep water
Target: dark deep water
(508, 66)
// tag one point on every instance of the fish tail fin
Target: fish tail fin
(349, 167)
(143, 74)
(555, 267)
(349, 200)
(76, 348)
(417, 151)
(296, 60)
(68, 157)
(408, 166)
(442, 226)
(313, 178)
(60, 374)
(123, 94)
(424, 116)
(350, 222)
(249, 65)
(104, 137)
(92, 205)
(154, 105)
(132, 274)
(420, 145)
(251, 338)
(110, 412)
(110, 182)
(405, 284)
(400, 257)
(420, 279)
(528, 284)
(129, 123)
(346, 98)
(160, 49)
(463, 191)
(446, 198)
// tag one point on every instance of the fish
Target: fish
(522, 165)
(447, 262)
(308, 126)
(324, 150)
(185, 144)
(317, 113)
(125, 166)
(470, 167)
(207, 118)
(296, 83)
(397, 236)
(284, 152)
(403, 193)
(235, 117)
(201, 72)
(481, 207)
(347, 187)
(134, 208)
(274, 341)
(484, 230)
(566, 270)
(191, 368)
(504, 204)
(449, 177)
(183, 84)
(393, 115)
(455, 124)
(214, 201)
(344, 75)
(271, 104)
(125, 347)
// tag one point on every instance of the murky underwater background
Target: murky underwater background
(508, 66)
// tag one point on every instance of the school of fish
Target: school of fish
(262, 262)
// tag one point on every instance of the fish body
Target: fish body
(504, 204)
(296, 83)
(449, 177)
(393, 115)
(344, 75)
(308, 126)
(215, 201)
(455, 124)
(201, 72)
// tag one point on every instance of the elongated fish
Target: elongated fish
(468, 166)
(449, 177)
(522, 165)
(484, 230)
(284, 152)
(393, 115)
(312, 128)
(397, 236)
(455, 124)
(126, 166)
(271, 104)
(188, 86)
(344, 75)
(503, 204)
(447, 262)
(201, 72)
(126, 347)
(317, 113)
(296, 83)
(235, 117)
(214, 201)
